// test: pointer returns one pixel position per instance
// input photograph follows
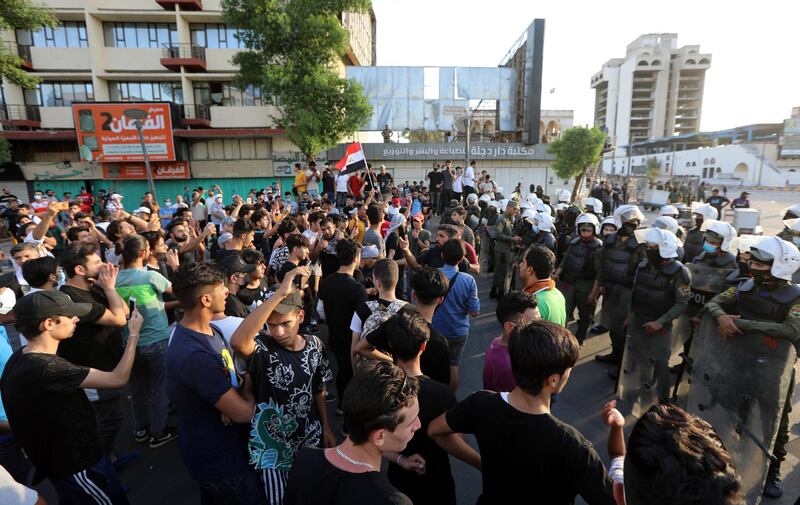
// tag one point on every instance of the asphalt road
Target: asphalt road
(160, 477)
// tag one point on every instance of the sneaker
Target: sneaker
(598, 329)
(141, 435)
(162, 439)
(608, 358)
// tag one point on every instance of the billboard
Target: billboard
(107, 132)
(791, 137)
(136, 171)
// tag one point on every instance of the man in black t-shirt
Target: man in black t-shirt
(382, 414)
(97, 341)
(717, 201)
(46, 403)
(385, 181)
(525, 450)
(236, 273)
(435, 186)
(339, 295)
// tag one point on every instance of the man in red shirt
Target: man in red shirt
(85, 200)
(355, 183)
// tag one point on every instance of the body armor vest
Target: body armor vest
(654, 289)
(758, 304)
(616, 261)
(577, 264)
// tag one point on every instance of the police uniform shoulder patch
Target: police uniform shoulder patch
(794, 312)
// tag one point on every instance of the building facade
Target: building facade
(655, 91)
(177, 51)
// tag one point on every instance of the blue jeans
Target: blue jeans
(241, 489)
(148, 388)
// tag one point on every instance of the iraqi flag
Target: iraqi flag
(353, 159)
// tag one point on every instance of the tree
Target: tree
(294, 46)
(578, 149)
(5, 150)
(653, 168)
(20, 14)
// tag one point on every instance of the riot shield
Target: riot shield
(614, 310)
(644, 377)
(739, 386)
(706, 283)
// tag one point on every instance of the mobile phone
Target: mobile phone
(131, 304)
(63, 205)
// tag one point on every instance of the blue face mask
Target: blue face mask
(709, 248)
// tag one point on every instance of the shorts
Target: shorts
(455, 348)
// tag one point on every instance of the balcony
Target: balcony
(15, 117)
(186, 5)
(196, 115)
(23, 52)
(189, 56)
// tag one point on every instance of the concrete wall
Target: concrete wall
(127, 60)
(232, 168)
(57, 117)
(242, 117)
(219, 60)
(61, 58)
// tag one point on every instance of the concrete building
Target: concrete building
(178, 51)
(765, 155)
(655, 91)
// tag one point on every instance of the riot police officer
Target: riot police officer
(660, 294)
(504, 240)
(767, 305)
(621, 253)
(542, 229)
(693, 244)
(669, 223)
(578, 272)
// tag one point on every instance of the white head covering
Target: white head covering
(786, 256)
(666, 241)
(398, 220)
(588, 218)
(721, 228)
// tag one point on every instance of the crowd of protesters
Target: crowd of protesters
(260, 317)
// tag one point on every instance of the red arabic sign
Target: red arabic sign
(136, 171)
(106, 134)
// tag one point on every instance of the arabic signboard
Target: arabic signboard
(447, 151)
(136, 171)
(76, 170)
(105, 133)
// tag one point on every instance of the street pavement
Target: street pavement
(160, 477)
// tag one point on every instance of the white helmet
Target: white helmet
(792, 224)
(742, 243)
(705, 210)
(667, 223)
(543, 208)
(588, 218)
(668, 210)
(561, 206)
(564, 196)
(543, 221)
(784, 255)
(625, 213)
(666, 241)
(472, 198)
(525, 205)
(609, 220)
(791, 212)
(721, 228)
(485, 198)
(594, 203)
(529, 215)
(532, 198)
(494, 204)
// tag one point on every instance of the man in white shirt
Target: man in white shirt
(468, 179)
(217, 210)
(341, 188)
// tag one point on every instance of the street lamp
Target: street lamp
(138, 115)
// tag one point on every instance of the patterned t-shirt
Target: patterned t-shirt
(284, 384)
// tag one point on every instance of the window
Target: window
(140, 35)
(59, 94)
(66, 34)
(215, 36)
(227, 94)
(146, 92)
(230, 149)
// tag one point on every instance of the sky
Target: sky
(755, 68)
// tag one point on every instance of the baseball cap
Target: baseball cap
(395, 201)
(144, 210)
(369, 251)
(418, 217)
(224, 238)
(234, 264)
(45, 304)
(290, 303)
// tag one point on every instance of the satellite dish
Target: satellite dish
(86, 153)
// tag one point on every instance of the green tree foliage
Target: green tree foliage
(577, 150)
(293, 48)
(5, 150)
(20, 14)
